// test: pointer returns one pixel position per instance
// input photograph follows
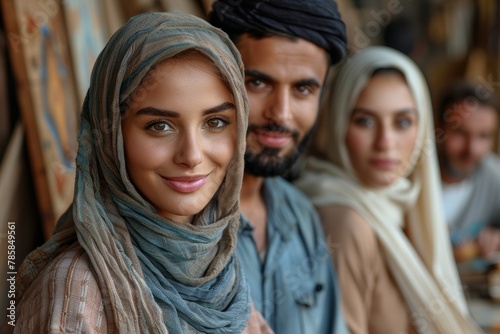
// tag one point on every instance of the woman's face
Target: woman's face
(382, 130)
(179, 135)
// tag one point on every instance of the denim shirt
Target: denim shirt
(294, 287)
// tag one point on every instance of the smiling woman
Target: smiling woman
(148, 243)
(180, 150)
(377, 193)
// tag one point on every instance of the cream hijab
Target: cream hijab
(422, 264)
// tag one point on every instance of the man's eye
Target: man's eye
(256, 83)
(304, 90)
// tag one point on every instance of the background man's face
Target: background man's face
(469, 135)
(283, 79)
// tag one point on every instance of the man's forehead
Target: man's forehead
(474, 117)
(278, 56)
(471, 108)
(279, 44)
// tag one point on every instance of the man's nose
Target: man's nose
(278, 108)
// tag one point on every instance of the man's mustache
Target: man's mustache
(273, 127)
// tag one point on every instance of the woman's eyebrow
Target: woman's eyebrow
(151, 111)
(221, 107)
(407, 111)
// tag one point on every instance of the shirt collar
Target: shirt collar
(283, 217)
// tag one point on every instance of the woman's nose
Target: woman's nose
(384, 139)
(189, 151)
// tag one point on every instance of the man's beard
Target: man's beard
(453, 171)
(268, 163)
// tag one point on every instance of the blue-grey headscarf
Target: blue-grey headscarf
(154, 274)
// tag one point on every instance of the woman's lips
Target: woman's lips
(273, 139)
(384, 163)
(186, 184)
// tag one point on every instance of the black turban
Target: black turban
(317, 21)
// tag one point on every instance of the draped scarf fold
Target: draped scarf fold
(155, 275)
(422, 262)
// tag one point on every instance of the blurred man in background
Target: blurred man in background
(470, 172)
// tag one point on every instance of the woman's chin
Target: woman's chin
(381, 180)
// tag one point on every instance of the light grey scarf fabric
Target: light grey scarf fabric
(155, 275)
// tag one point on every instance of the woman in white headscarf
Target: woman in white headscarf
(376, 191)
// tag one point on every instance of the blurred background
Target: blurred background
(48, 47)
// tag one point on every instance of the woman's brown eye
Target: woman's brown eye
(159, 126)
(217, 123)
(214, 123)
